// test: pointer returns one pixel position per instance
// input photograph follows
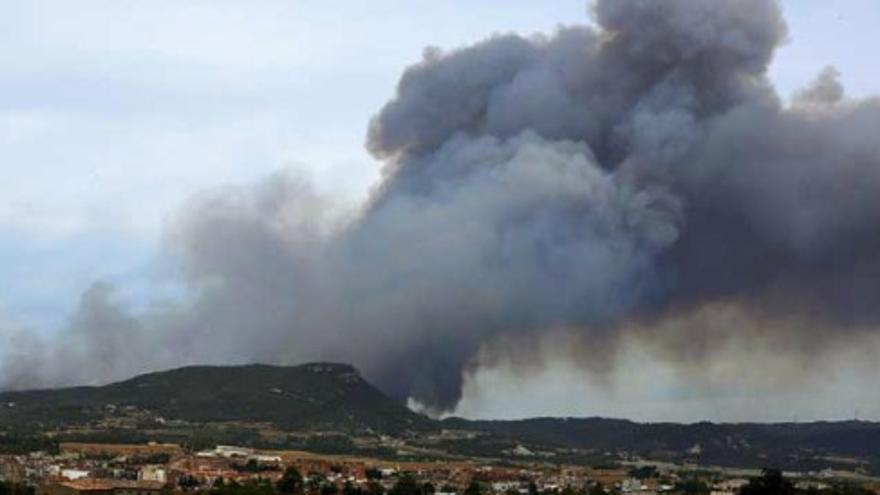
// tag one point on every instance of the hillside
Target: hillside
(798, 446)
(332, 408)
(307, 396)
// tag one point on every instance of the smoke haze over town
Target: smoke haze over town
(623, 216)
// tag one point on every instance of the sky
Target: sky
(112, 114)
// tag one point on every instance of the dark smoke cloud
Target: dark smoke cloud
(597, 181)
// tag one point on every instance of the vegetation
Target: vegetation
(596, 489)
(15, 489)
(253, 487)
(291, 482)
(474, 488)
(25, 441)
(406, 485)
(794, 446)
(644, 472)
(187, 483)
(772, 482)
(329, 444)
(375, 488)
(296, 397)
(252, 466)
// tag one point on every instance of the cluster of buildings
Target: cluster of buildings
(160, 469)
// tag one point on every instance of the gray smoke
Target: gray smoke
(595, 181)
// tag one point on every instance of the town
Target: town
(161, 469)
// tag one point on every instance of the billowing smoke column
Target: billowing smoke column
(598, 180)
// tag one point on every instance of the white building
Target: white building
(504, 486)
(153, 473)
(74, 474)
(229, 451)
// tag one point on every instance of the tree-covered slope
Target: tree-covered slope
(310, 395)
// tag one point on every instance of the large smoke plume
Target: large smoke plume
(598, 182)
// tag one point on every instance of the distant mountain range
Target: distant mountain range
(328, 397)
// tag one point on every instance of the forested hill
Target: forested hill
(855, 444)
(307, 396)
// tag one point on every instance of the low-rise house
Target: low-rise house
(153, 473)
(265, 458)
(231, 451)
(504, 486)
(74, 474)
(608, 477)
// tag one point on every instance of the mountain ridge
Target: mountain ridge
(306, 395)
